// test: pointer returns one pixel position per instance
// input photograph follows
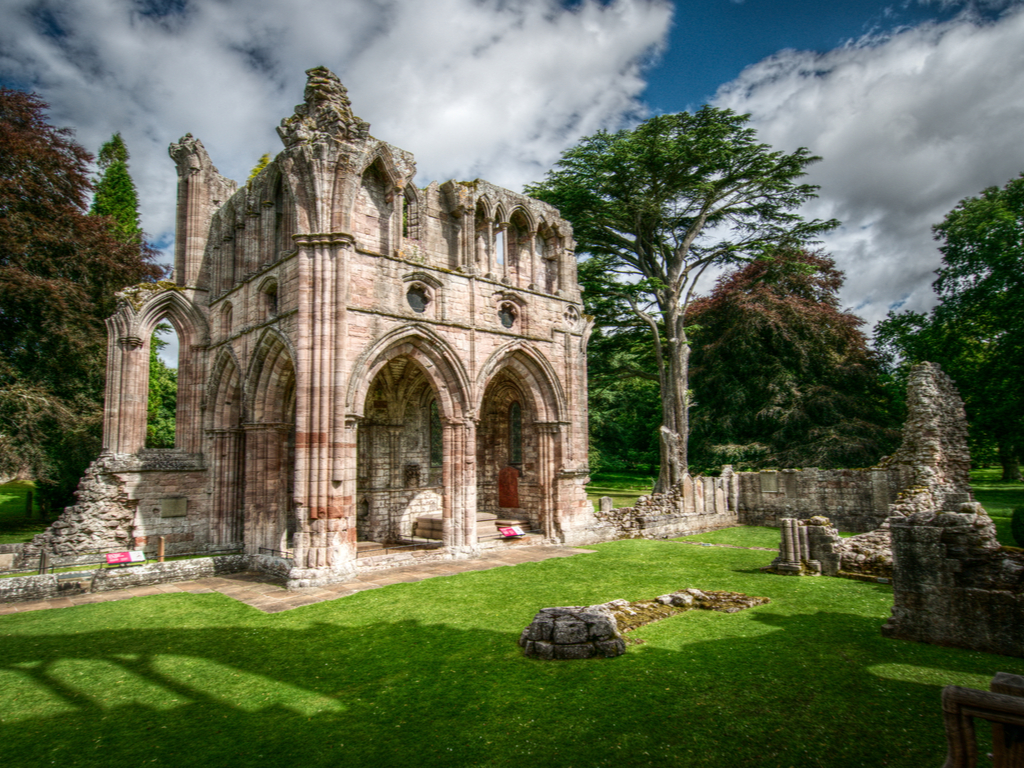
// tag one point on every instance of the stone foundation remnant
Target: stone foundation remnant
(814, 547)
(584, 632)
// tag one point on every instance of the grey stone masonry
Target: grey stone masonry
(931, 470)
(698, 504)
(954, 585)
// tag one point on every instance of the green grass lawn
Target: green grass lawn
(999, 499)
(624, 487)
(429, 674)
(14, 526)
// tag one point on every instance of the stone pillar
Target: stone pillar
(227, 484)
(191, 383)
(548, 462)
(532, 237)
(502, 251)
(264, 466)
(127, 389)
(124, 414)
(324, 443)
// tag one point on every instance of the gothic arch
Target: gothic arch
(225, 381)
(536, 376)
(437, 358)
(270, 381)
(188, 320)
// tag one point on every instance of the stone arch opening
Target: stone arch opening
(518, 446)
(374, 209)
(519, 248)
(226, 458)
(400, 454)
(130, 334)
(269, 510)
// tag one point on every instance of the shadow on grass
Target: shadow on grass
(404, 692)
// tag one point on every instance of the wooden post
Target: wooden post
(160, 550)
(44, 562)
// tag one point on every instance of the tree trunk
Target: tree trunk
(674, 375)
(1008, 460)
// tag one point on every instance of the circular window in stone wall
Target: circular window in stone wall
(418, 298)
(507, 315)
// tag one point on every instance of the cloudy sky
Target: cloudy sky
(913, 104)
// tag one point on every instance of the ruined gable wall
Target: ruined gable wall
(930, 471)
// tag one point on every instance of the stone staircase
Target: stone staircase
(487, 525)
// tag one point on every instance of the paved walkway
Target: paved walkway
(260, 591)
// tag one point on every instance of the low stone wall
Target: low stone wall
(51, 585)
(700, 504)
(954, 585)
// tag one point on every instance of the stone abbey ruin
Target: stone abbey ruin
(371, 372)
(361, 361)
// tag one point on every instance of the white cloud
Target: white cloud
(908, 125)
(495, 88)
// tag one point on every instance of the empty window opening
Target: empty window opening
(418, 298)
(507, 315)
(270, 299)
(499, 246)
(226, 319)
(163, 388)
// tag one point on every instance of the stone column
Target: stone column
(548, 461)
(502, 251)
(227, 497)
(264, 459)
(532, 237)
(324, 447)
(127, 388)
(452, 528)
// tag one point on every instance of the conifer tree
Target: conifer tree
(115, 194)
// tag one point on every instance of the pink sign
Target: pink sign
(115, 558)
(511, 531)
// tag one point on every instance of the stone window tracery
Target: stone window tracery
(515, 434)
(436, 436)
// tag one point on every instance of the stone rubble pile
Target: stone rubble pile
(99, 521)
(584, 632)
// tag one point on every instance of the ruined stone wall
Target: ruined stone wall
(930, 471)
(700, 504)
(327, 296)
(854, 499)
(954, 585)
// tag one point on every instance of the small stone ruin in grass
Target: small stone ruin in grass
(583, 632)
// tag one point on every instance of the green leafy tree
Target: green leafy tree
(976, 333)
(163, 395)
(114, 195)
(656, 206)
(59, 272)
(782, 375)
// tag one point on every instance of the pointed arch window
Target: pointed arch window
(515, 434)
(436, 436)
